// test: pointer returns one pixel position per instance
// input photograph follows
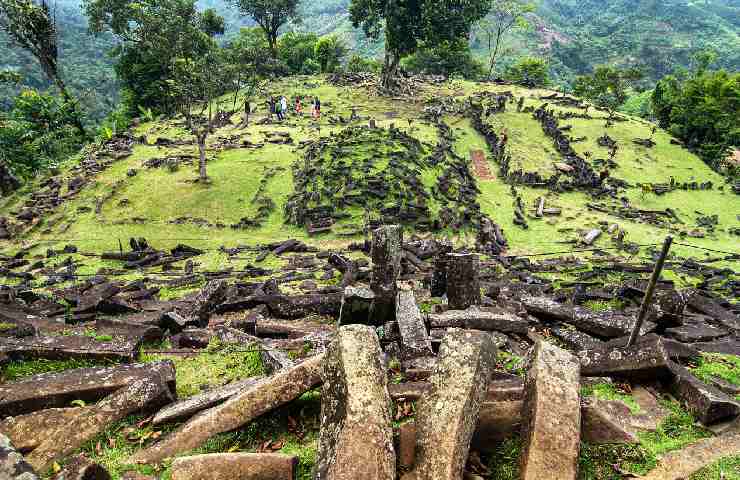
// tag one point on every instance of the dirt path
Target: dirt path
(480, 164)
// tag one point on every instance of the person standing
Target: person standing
(284, 106)
(298, 106)
(271, 107)
(316, 108)
(279, 110)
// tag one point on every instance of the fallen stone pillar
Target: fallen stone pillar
(463, 285)
(447, 416)
(356, 439)
(143, 395)
(709, 404)
(242, 466)
(241, 409)
(69, 346)
(26, 432)
(12, 464)
(58, 389)
(475, 318)
(415, 340)
(387, 250)
(188, 407)
(647, 360)
(551, 434)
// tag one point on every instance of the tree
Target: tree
(246, 60)
(530, 72)
(153, 36)
(703, 110)
(448, 58)
(409, 23)
(505, 16)
(199, 83)
(294, 48)
(270, 15)
(211, 23)
(31, 27)
(607, 87)
(329, 52)
(359, 64)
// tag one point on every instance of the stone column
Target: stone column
(463, 286)
(386, 255)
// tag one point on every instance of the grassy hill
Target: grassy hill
(164, 205)
(265, 178)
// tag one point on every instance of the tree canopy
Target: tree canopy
(407, 24)
(270, 15)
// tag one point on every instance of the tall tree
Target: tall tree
(270, 15)
(607, 87)
(410, 23)
(505, 16)
(153, 35)
(31, 27)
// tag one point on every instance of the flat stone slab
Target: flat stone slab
(551, 434)
(415, 340)
(574, 339)
(475, 318)
(643, 360)
(606, 421)
(64, 347)
(447, 416)
(52, 390)
(356, 439)
(727, 346)
(691, 333)
(251, 466)
(725, 318)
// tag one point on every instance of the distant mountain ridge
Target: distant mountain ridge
(657, 35)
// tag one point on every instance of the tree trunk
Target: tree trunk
(391, 72)
(247, 108)
(202, 161)
(495, 53)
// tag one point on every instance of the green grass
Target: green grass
(511, 363)
(608, 391)
(504, 459)
(726, 469)
(19, 369)
(604, 305)
(726, 367)
(217, 365)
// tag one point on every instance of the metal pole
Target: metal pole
(650, 290)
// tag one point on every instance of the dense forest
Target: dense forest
(574, 35)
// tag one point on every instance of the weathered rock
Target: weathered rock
(50, 390)
(137, 332)
(643, 360)
(356, 440)
(447, 417)
(691, 333)
(239, 410)
(24, 431)
(575, 340)
(141, 396)
(236, 466)
(682, 464)
(64, 347)
(605, 422)
(590, 237)
(82, 468)
(726, 345)
(274, 360)
(604, 325)
(414, 338)
(12, 464)
(188, 407)
(463, 284)
(676, 350)
(387, 250)
(709, 404)
(552, 408)
(475, 318)
(709, 307)
(667, 308)
(206, 301)
(406, 446)
(356, 303)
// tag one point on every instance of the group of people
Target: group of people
(279, 107)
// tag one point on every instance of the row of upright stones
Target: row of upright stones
(356, 438)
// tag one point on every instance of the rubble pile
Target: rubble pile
(376, 324)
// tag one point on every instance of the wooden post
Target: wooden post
(649, 292)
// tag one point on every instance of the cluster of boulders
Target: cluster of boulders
(417, 311)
